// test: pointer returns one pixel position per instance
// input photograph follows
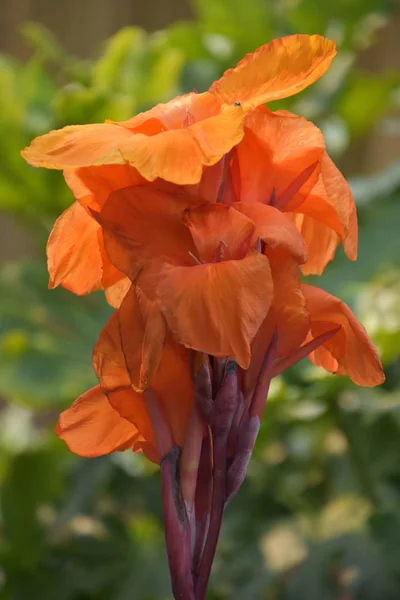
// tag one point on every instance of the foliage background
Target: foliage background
(319, 514)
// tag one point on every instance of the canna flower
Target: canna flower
(196, 218)
(198, 140)
(215, 310)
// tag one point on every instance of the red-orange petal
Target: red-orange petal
(130, 347)
(91, 427)
(331, 202)
(213, 224)
(92, 185)
(274, 228)
(277, 147)
(277, 70)
(141, 223)
(217, 308)
(348, 351)
(288, 313)
(321, 242)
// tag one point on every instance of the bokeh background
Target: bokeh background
(318, 517)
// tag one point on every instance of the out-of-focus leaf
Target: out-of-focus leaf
(366, 99)
(48, 361)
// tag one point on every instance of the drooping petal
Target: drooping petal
(274, 228)
(213, 224)
(277, 70)
(348, 351)
(217, 308)
(331, 202)
(91, 427)
(141, 223)
(277, 147)
(116, 293)
(177, 155)
(131, 345)
(133, 350)
(75, 258)
(321, 242)
(288, 313)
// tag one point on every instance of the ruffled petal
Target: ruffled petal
(214, 224)
(277, 147)
(177, 155)
(277, 70)
(217, 308)
(142, 223)
(91, 427)
(274, 228)
(348, 351)
(75, 254)
(321, 242)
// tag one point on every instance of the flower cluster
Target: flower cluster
(197, 218)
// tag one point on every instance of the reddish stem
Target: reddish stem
(217, 510)
(177, 530)
(204, 490)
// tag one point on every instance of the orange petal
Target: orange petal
(288, 312)
(78, 146)
(73, 253)
(176, 155)
(91, 427)
(348, 351)
(131, 345)
(277, 147)
(217, 308)
(274, 228)
(277, 70)
(116, 293)
(331, 202)
(141, 223)
(321, 242)
(92, 185)
(213, 224)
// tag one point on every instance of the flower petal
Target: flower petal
(92, 185)
(177, 155)
(288, 313)
(277, 70)
(348, 351)
(274, 228)
(321, 242)
(141, 223)
(130, 347)
(75, 256)
(91, 427)
(217, 308)
(331, 202)
(277, 147)
(213, 224)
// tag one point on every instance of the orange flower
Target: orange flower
(199, 263)
(174, 141)
(196, 217)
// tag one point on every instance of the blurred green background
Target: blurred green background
(318, 517)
